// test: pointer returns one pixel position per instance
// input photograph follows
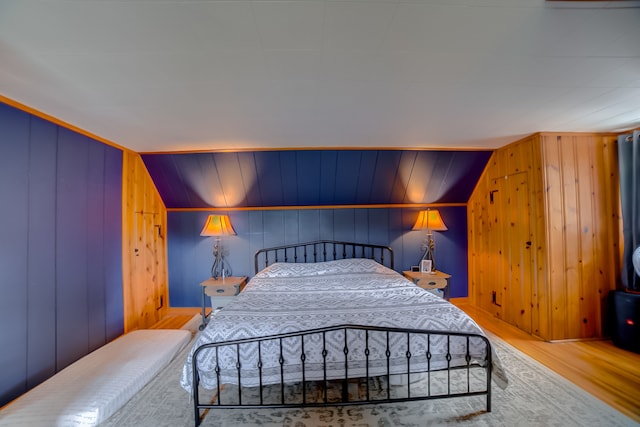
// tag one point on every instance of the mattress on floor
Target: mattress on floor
(90, 390)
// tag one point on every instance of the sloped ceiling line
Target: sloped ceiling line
(291, 178)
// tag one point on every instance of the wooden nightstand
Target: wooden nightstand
(221, 291)
(437, 283)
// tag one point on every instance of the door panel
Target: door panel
(511, 249)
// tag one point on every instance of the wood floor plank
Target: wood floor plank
(609, 373)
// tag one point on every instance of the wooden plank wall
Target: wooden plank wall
(574, 221)
(582, 209)
(60, 248)
(493, 251)
(144, 247)
(190, 255)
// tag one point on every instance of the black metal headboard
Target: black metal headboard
(322, 250)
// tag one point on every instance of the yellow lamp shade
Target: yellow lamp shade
(430, 220)
(218, 225)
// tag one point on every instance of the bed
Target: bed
(331, 323)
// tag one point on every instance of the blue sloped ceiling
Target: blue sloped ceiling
(314, 177)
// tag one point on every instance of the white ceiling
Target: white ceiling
(167, 75)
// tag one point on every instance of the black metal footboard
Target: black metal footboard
(340, 365)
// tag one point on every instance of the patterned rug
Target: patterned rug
(536, 396)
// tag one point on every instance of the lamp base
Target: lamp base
(428, 254)
(220, 267)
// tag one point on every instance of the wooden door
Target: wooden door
(509, 206)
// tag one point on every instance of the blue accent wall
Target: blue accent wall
(60, 248)
(190, 255)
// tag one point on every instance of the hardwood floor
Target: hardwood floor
(177, 317)
(607, 372)
(604, 370)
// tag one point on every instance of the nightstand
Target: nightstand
(221, 291)
(437, 282)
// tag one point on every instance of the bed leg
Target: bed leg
(196, 418)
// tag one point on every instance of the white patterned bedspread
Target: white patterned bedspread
(288, 297)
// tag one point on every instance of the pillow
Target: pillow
(341, 266)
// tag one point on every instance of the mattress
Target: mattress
(90, 390)
(292, 297)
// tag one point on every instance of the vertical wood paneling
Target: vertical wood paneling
(251, 183)
(416, 187)
(541, 315)
(366, 172)
(308, 225)
(518, 293)
(348, 165)
(452, 246)
(609, 239)
(326, 224)
(72, 310)
(403, 176)
(381, 187)
(500, 223)
(497, 250)
(95, 253)
(189, 171)
(574, 223)
(145, 280)
(228, 167)
(588, 243)
(570, 184)
(343, 225)
(41, 332)
(113, 237)
(189, 255)
(574, 278)
(308, 170)
(288, 167)
(555, 239)
(14, 190)
(314, 177)
(328, 161)
(478, 253)
(57, 249)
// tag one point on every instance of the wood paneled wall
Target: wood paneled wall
(582, 208)
(60, 248)
(144, 248)
(544, 234)
(190, 255)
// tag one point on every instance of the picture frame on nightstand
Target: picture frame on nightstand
(425, 266)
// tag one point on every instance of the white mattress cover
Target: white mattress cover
(90, 390)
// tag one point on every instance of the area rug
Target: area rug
(536, 396)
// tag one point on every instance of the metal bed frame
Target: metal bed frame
(458, 378)
(322, 250)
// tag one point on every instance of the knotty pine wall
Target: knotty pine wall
(544, 234)
(144, 247)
